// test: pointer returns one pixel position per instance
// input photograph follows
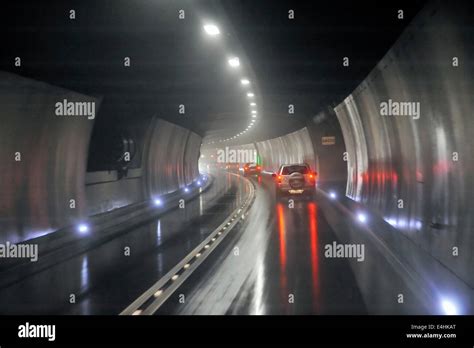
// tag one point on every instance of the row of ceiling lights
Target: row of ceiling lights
(234, 62)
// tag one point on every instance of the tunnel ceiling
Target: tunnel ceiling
(174, 62)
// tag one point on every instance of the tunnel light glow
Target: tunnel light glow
(418, 225)
(402, 223)
(362, 217)
(449, 307)
(254, 112)
(211, 29)
(333, 195)
(253, 104)
(158, 202)
(83, 228)
(250, 95)
(245, 82)
(174, 277)
(392, 222)
(137, 312)
(234, 62)
(254, 116)
(158, 293)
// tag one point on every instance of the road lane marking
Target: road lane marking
(148, 303)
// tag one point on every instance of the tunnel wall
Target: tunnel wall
(329, 149)
(191, 157)
(425, 161)
(171, 157)
(35, 192)
(105, 191)
(294, 147)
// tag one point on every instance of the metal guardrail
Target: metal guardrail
(152, 299)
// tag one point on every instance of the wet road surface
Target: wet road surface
(104, 280)
(274, 265)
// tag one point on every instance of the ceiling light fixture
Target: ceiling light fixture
(211, 29)
(234, 62)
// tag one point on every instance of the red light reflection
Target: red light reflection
(282, 237)
(313, 228)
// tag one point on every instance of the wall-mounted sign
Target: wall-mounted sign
(328, 140)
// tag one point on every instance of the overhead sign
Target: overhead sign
(331, 140)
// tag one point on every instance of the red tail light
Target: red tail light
(258, 167)
(279, 179)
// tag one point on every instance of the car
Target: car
(295, 180)
(252, 169)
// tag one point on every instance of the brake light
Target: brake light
(279, 179)
(258, 167)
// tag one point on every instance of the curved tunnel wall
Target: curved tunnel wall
(294, 147)
(171, 158)
(168, 160)
(35, 192)
(425, 160)
(329, 151)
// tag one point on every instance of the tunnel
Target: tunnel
(147, 147)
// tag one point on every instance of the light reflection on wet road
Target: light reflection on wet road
(275, 265)
(104, 280)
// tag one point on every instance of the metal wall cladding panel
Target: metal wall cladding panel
(105, 192)
(425, 162)
(166, 158)
(191, 157)
(330, 157)
(35, 192)
(294, 147)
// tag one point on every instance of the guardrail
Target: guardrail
(152, 299)
(69, 241)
